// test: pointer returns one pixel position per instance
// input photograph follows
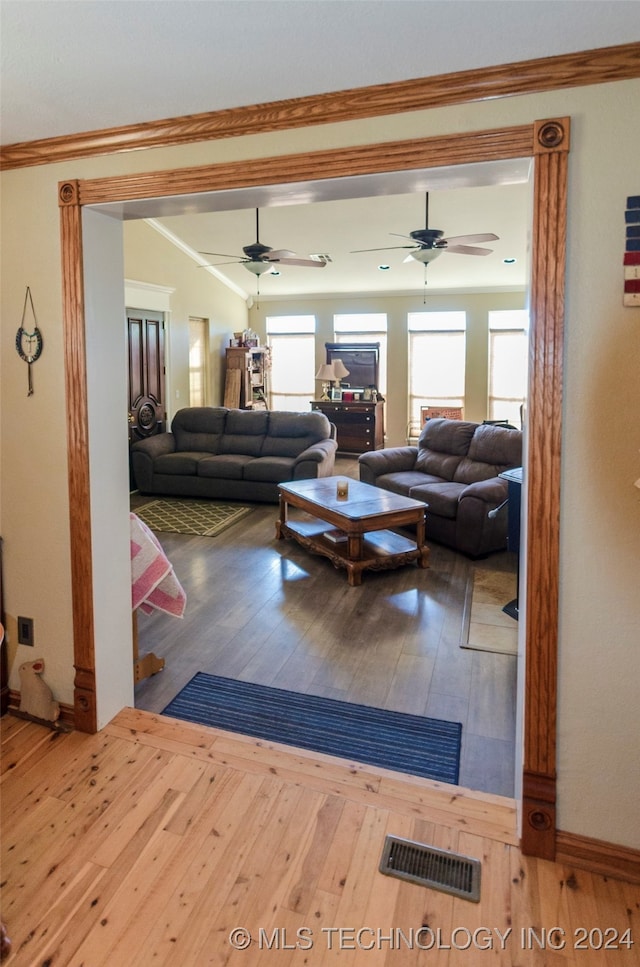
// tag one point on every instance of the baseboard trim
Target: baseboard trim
(598, 856)
(67, 712)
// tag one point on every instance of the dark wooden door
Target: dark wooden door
(147, 414)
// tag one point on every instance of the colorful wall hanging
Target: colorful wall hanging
(632, 252)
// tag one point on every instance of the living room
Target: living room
(169, 243)
(590, 304)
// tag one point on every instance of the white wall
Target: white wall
(598, 713)
(149, 257)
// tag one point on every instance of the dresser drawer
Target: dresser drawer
(359, 424)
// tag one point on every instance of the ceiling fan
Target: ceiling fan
(261, 259)
(428, 243)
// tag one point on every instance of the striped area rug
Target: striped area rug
(405, 743)
(176, 515)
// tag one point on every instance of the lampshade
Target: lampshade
(340, 369)
(326, 372)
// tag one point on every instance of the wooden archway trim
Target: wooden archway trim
(546, 340)
(84, 699)
(547, 142)
(465, 148)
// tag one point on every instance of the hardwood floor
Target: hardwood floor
(150, 842)
(266, 611)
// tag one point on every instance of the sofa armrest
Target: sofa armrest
(143, 454)
(375, 463)
(316, 461)
(479, 531)
(492, 492)
(156, 445)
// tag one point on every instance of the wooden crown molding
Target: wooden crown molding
(598, 66)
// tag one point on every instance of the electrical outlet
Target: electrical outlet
(25, 631)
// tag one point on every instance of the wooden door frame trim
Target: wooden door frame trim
(547, 143)
(599, 66)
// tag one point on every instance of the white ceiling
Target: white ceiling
(80, 65)
(360, 218)
(69, 66)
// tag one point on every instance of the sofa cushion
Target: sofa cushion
(291, 433)
(199, 428)
(447, 436)
(400, 482)
(442, 498)
(497, 444)
(442, 445)
(492, 450)
(178, 463)
(226, 466)
(245, 431)
(441, 465)
(269, 469)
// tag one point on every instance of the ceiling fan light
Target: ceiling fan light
(425, 255)
(258, 268)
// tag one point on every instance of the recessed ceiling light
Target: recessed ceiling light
(384, 268)
(509, 261)
(275, 272)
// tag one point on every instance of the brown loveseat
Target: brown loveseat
(454, 469)
(231, 454)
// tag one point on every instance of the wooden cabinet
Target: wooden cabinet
(247, 377)
(360, 425)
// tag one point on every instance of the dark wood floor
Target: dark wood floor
(266, 611)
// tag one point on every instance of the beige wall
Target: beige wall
(476, 305)
(149, 257)
(598, 712)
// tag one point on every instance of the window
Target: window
(198, 361)
(436, 360)
(364, 327)
(293, 355)
(507, 364)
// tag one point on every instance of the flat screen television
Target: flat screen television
(362, 359)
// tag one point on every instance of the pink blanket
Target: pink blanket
(153, 582)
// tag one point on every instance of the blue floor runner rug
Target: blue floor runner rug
(405, 743)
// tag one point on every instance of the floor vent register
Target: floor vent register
(431, 867)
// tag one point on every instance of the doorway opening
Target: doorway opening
(546, 141)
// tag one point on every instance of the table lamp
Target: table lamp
(340, 371)
(327, 375)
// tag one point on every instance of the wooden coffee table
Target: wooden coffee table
(364, 518)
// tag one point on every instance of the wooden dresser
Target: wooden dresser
(360, 424)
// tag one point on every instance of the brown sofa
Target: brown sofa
(454, 469)
(217, 452)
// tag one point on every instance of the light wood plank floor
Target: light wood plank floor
(149, 843)
(267, 611)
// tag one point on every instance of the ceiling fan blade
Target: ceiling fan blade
(467, 250)
(216, 265)
(416, 242)
(222, 255)
(462, 239)
(387, 248)
(308, 263)
(279, 254)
